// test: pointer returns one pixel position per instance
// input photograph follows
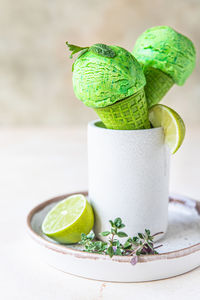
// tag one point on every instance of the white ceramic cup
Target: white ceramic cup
(128, 178)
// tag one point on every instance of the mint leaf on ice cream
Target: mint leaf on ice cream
(103, 50)
(75, 49)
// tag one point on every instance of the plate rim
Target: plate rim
(191, 203)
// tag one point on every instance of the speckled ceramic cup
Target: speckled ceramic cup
(128, 178)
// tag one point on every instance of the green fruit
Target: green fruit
(174, 127)
(68, 219)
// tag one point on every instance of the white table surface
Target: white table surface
(37, 164)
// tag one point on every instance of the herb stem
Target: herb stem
(158, 246)
(155, 234)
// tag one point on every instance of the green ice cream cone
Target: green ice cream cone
(163, 49)
(158, 84)
(129, 113)
(111, 81)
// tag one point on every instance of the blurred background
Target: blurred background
(43, 141)
(35, 69)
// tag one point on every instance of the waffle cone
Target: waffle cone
(129, 113)
(158, 84)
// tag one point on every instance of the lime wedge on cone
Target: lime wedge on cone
(68, 219)
(174, 127)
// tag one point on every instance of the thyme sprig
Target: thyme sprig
(142, 244)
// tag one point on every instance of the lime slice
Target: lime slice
(174, 127)
(68, 219)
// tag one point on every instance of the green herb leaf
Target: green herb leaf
(114, 243)
(119, 251)
(118, 222)
(141, 236)
(83, 235)
(75, 49)
(98, 245)
(122, 226)
(91, 235)
(121, 234)
(138, 252)
(135, 239)
(118, 243)
(105, 233)
(111, 223)
(103, 50)
(127, 245)
(110, 251)
(147, 232)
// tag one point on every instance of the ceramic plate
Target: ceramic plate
(180, 252)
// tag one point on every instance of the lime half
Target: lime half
(68, 219)
(174, 127)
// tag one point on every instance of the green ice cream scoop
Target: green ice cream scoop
(167, 57)
(111, 81)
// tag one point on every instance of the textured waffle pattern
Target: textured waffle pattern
(129, 113)
(158, 84)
